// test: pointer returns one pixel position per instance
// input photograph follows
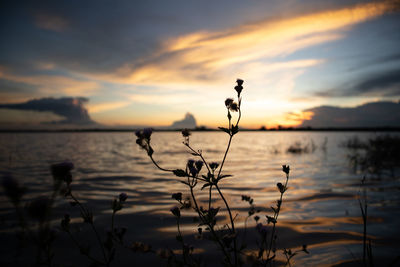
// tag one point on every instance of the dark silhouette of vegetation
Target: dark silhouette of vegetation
(379, 155)
(226, 237)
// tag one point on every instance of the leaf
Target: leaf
(205, 185)
(224, 176)
(235, 129)
(180, 173)
(150, 151)
(260, 253)
(224, 130)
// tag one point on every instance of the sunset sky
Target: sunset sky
(151, 62)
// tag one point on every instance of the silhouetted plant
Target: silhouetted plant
(113, 237)
(299, 148)
(226, 237)
(34, 220)
(367, 245)
(378, 156)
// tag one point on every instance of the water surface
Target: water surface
(320, 208)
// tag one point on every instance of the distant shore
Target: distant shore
(282, 129)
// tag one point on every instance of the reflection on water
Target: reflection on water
(320, 207)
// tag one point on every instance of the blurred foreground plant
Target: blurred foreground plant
(35, 220)
(225, 236)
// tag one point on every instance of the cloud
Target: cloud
(204, 56)
(51, 22)
(72, 109)
(188, 122)
(54, 84)
(100, 107)
(374, 114)
(382, 84)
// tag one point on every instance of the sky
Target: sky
(127, 63)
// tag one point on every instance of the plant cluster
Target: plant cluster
(379, 155)
(197, 175)
(225, 236)
(35, 219)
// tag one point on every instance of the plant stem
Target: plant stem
(155, 163)
(232, 223)
(84, 210)
(209, 226)
(226, 152)
(80, 248)
(276, 217)
(100, 243)
(181, 240)
(112, 222)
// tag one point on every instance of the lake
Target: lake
(319, 209)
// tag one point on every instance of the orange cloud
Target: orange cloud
(100, 107)
(50, 85)
(206, 56)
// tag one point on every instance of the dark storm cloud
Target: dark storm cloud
(375, 114)
(71, 108)
(382, 84)
(388, 84)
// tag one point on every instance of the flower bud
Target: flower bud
(123, 197)
(281, 187)
(228, 102)
(176, 212)
(177, 196)
(285, 169)
(199, 165)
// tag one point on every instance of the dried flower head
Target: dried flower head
(123, 197)
(286, 169)
(228, 102)
(239, 86)
(143, 140)
(62, 171)
(199, 165)
(186, 133)
(281, 187)
(147, 133)
(234, 107)
(213, 165)
(176, 212)
(177, 196)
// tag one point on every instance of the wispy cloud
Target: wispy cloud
(107, 106)
(381, 84)
(54, 84)
(205, 56)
